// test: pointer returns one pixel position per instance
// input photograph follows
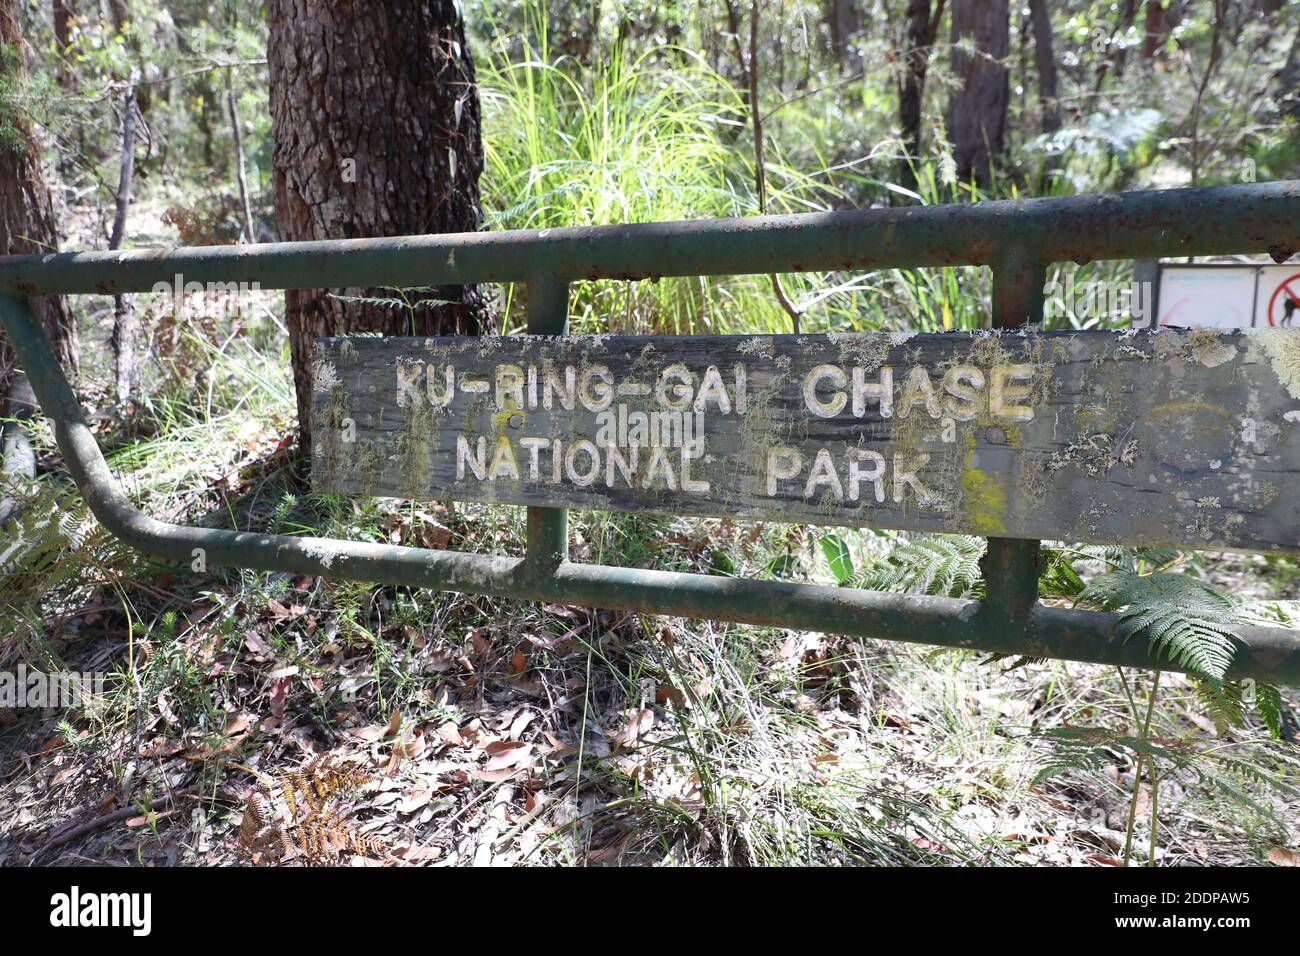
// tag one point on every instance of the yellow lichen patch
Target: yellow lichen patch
(1282, 348)
(984, 498)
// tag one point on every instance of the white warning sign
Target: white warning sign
(1229, 295)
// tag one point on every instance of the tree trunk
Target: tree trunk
(844, 21)
(125, 324)
(61, 12)
(1045, 62)
(375, 115)
(1162, 17)
(921, 27)
(1288, 82)
(977, 110)
(26, 225)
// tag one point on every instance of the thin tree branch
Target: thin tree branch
(760, 172)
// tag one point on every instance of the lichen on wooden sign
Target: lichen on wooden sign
(1165, 437)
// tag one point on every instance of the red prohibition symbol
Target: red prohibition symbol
(1289, 305)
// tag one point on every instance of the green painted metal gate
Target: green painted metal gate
(1017, 239)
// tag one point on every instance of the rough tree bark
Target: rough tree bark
(26, 225)
(125, 323)
(977, 110)
(375, 115)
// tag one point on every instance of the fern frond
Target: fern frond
(1222, 702)
(943, 565)
(51, 545)
(1186, 619)
(1087, 749)
(1268, 704)
(1018, 662)
(305, 820)
(1256, 774)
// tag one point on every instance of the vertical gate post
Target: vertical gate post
(548, 528)
(1011, 566)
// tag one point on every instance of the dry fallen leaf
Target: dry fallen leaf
(279, 697)
(1283, 856)
(417, 800)
(507, 753)
(521, 724)
(639, 723)
(666, 694)
(257, 647)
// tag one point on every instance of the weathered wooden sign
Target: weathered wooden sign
(1168, 437)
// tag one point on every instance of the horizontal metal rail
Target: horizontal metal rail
(1015, 237)
(1260, 218)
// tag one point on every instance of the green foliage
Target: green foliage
(1184, 618)
(1189, 621)
(12, 139)
(838, 557)
(408, 300)
(1222, 703)
(1089, 750)
(946, 565)
(1268, 704)
(51, 545)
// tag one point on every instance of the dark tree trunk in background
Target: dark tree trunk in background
(1288, 82)
(844, 22)
(125, 324)
(375, 115)
(61, 11)
(1162, 17)
(977, 110)
(26, 212)
(1045, 62)
(922, 26)
(26, 225)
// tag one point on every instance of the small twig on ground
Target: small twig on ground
(157, 805)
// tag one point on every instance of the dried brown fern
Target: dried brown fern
(295, 816)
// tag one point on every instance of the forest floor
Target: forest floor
(508, 733)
